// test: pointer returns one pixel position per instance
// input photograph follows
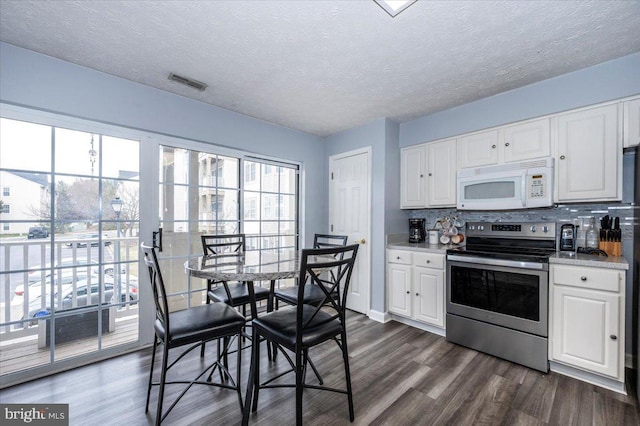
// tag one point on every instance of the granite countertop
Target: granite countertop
(423, 247)
(580, 259)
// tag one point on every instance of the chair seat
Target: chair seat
(239, 294)
(313, 295)
(200, 323)
(280, 326)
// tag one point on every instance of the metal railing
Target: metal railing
(84, 273)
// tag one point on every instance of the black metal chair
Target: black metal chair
(301, 327)
(188, 327)
(233, 294)
(313, 294)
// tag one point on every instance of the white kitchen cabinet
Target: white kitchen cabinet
(525, 141)
(478, 149)
(441, 173)
(413, 177)
(587, 319)
(631, 130)
(416, 290)
(589, 165)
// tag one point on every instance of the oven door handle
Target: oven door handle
(497, 262)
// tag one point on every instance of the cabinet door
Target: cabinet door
(441, 182)
(526, 141)
(413, 177)
(590, 155)
(632, 123)
(479, 149)
(585, 329)
(428, 289)
(399, 289)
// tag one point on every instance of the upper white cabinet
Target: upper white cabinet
(478, 149)
(441, 173)
(428, 175)
(517, 142)
(413, 178)
(525, 141)
(631, 123)
(589, 163)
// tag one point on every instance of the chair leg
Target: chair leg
(202, 349)
(153, 360)
(250, 383)
(300, 367)
(347, 373)
(163, 377)
(225, 354)
(256, 360)
(239, 370)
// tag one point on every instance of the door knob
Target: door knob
(362, 241)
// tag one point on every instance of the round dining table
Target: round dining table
(248, 268)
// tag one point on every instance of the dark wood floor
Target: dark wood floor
(400, 376)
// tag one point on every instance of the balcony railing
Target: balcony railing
(84, 273)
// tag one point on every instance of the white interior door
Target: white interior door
(349, 214)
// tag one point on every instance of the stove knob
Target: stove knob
(533, 228)
(472, 227)
(480, 227)
(545, 229)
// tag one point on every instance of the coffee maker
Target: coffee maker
(567, 237)
(416, 231)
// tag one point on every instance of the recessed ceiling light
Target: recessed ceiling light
(393, 7)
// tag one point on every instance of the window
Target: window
(6, 191)
(6, 227)
(249, 172)
(6, 208)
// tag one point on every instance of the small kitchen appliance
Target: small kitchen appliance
(567, 237)
(416, 231)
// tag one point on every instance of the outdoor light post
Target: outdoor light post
(116, 205)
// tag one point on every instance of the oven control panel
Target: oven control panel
(534, 230)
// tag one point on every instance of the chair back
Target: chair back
(157, 285)
(313, 264)
(223, 244)
(327, 241)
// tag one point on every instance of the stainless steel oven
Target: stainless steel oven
(498, 291)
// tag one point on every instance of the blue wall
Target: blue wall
(603, 82)
(41, 82)
(386, 217)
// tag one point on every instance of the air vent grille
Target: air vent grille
(187, 81)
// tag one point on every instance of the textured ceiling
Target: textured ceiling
(325, 66)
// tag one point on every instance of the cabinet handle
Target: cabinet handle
(398, 258)
(506, 144)
(430, 174)
(421, 175)
(428, 261)
(562, 157)
(417, 294)
(408, 292)
(583, 278)
(614, 337)
(493, 147)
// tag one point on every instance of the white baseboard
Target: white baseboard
(378, 316)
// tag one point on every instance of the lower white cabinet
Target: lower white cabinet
(415, 285)
(587, 319)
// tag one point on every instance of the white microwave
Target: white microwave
(510, 186)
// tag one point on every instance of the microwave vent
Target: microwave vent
(523, 165)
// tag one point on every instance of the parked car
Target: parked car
(94, 243)
(38, 232)
(35, 272)
(86, 295)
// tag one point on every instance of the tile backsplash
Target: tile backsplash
(562, 213)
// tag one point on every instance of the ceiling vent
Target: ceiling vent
(188, 81)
